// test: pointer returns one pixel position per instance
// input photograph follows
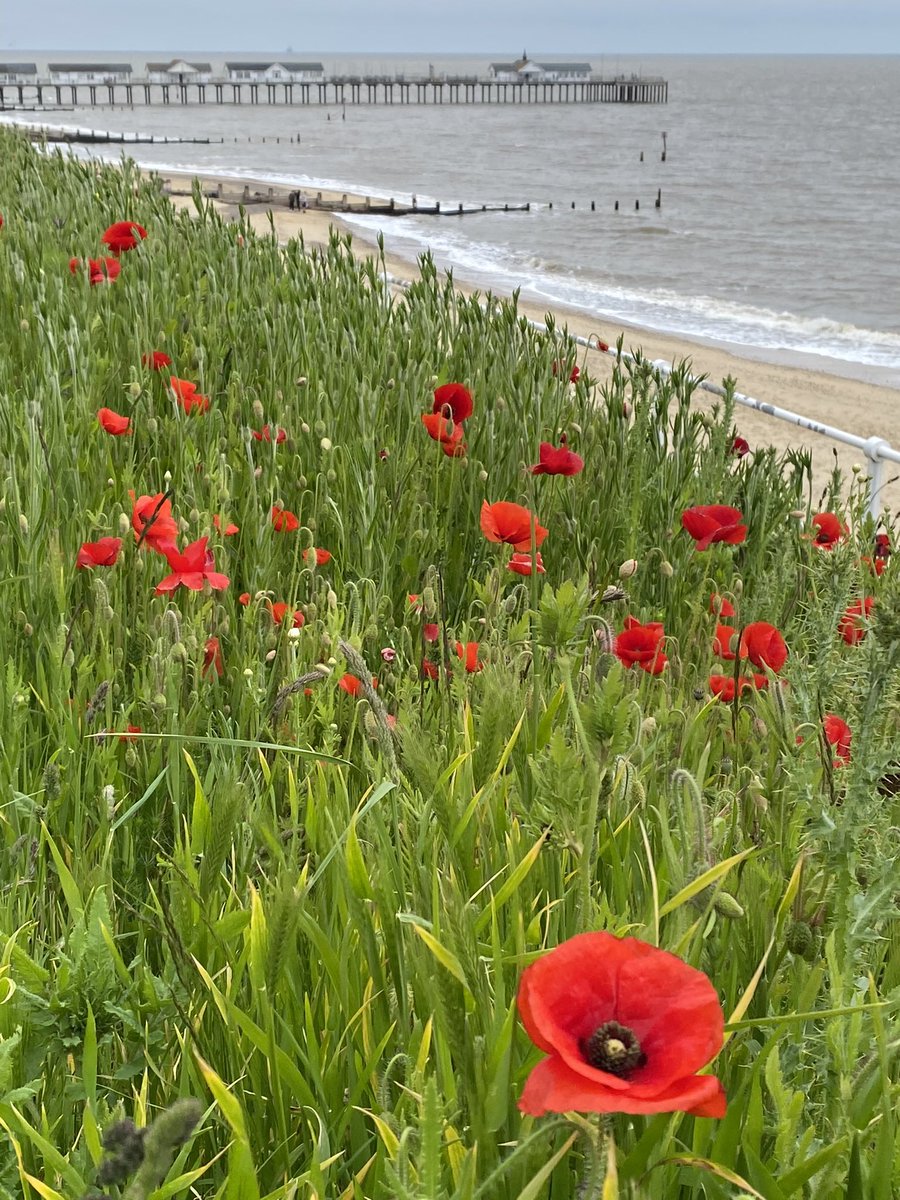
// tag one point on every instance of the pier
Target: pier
(338, 90)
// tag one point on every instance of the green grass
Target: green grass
(313, 925)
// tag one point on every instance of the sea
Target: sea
(778, 231)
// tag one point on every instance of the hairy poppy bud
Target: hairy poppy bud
(738, 587)
(24, 326)
(483, 475)
(23, 523)
(666, 569)
(258, 411)
(159, 700)
(304, 428)
(134, 389)
(28, 629)
(648, 726)
(429, 606)
(271, 655)
(800, 940)
(727, 906)
(628, 568)
(301, 382)
(510, 604)
(798, 514)
(320, 428)
(326, 443)
(194, 516)
(331, 599)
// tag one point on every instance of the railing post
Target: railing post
(875, 466)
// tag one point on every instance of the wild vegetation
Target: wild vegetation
(283, 911)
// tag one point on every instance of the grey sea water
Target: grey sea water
(779, 229)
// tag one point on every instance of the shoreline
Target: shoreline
(855, 405)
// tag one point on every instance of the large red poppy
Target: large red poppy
(284, 520)
(574, 373)
(352, 685)
(113, 422)
(153, 523)
(265, 435)
(553, 461)
(740, 446)
(456, 398)
(722, 641)
(321, 556)
(100, 270)
(521, 563)
(708, 523)
(829, 530)
(187, 395)
(468, 654)
(123, 235)
(191, 569)
(282, 610)
(852, 625)
(156, 360)
(504, 521)
(641, 646)
(626, 1028)
(228, 529)
(443, 429)
(102, 553)
(764, 646)
(723, 686)
(837, 734)
(721, 605)
(212, 657)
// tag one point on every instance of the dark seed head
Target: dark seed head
(613, 1048)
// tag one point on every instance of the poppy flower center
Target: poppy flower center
(613, 1048)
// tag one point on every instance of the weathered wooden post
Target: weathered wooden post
(659, 197)
(637, 206)
(663, 155)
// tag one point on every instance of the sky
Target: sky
(455, 26)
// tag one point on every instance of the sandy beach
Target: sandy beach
(861, 408)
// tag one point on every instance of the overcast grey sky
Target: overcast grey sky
(455, 26)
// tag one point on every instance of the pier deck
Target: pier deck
(338, 90)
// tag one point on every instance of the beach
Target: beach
(856, 406)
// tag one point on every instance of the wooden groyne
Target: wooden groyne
(97, 137)
(339, 90)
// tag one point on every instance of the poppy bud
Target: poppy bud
(293, 633)
(331, 476)
(131, 756)
(159, 700)
(856, 468)
(628, 568)
(666, 569)
(279, 395)
(500, 404)
(24, 326)
(167, 479)
(248, 673)
(326, 443)
(320, 428)
(429, 606)
(28, 629)
(69, 660)
(801, 940)
(510, 604)
(648, 726)
(270, 656)
(390, 385)
(179, 652)
(312, 611)
(304, 428)
(134, 389)
(311, 524)
(760, 728)
(23, 523)
(331, 599)
(371, 725)
(194, 516)
(798, 514)
(738, 587)
(258, 412)
(124, 524)
(483, 475)
(152, 425)
(301, 382)
(727, 906)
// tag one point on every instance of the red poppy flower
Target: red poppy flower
(721, 606)
(191, 569)
(152, 517)
(100, 270)
(284, 520)
(764, 646)
(852, 626)
(557, 462)
(641, 645)
(510, 523)
(244, 598)
(113, 423)
(442, 429)
(722, 642)
(882, 546)
(573, 374)
(212, 657)
(723, 685)
(229, 530)
(838, 735)
(102, 553)
(265, 435)
(281, 610)
(187, 395)
(456, 398)
(429, 670)
(468, 654)
(739, 447)
(156, 360)
(626, 1028)
(431, 632)
(523, 564)
(123, 235)
(708, 523)
(829, 530)
(322, 556)
(353, 686)
(128, 735)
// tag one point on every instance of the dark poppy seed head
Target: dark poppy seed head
(613, 1048)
